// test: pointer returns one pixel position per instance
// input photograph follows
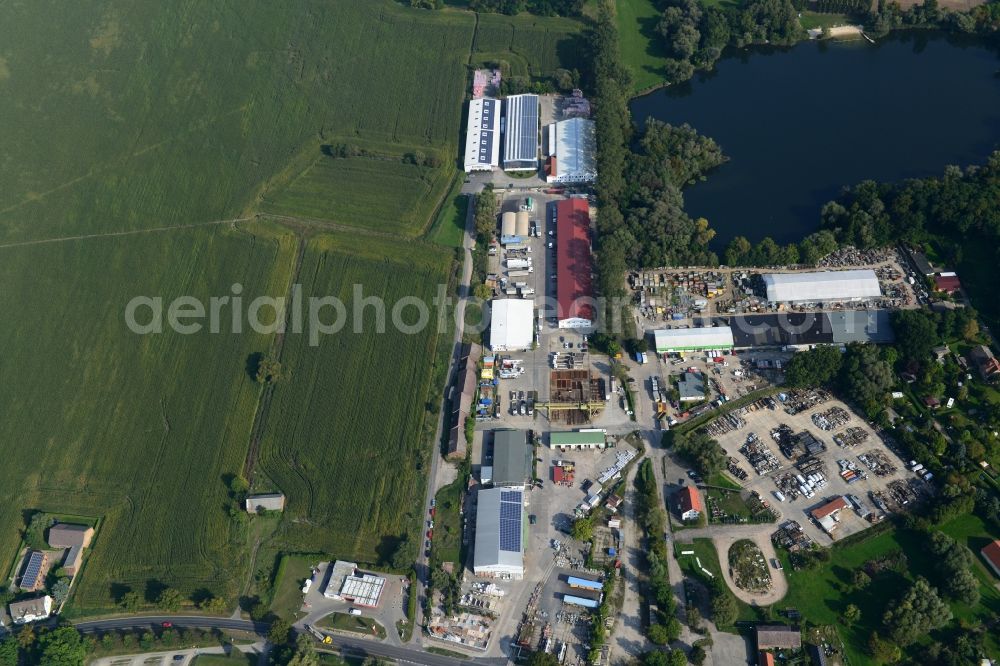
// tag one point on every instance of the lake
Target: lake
(798, 124)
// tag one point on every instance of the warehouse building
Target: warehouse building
(463, 394)
(521, 133)
(574, 287)
(693, 339)
(807, 329)
(346, 583)
(691, 387)
(573, 441)
(511, 324)
(822, 286)
(584, 602)
(482, 135)
(828, 515)
(511, 458)
(572, 150)
(585, 584)
(499, 551)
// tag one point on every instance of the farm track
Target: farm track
(260, 416)
(131, 232)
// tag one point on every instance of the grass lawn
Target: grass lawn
(449, 227)
(641, 48)
(447, 543)
(353, 623)
(821, 595)
(810, 20)
(704, 551)
(293, 571)
(235, 659)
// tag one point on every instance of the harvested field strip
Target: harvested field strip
(363, 192)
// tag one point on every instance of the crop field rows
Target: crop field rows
(138, 429)
(532, 45)
(364, 192)
(138, 117)
(343, 439)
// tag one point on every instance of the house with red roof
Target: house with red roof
(574, 288)
(947, 283)
(991, 553)
(689, 504)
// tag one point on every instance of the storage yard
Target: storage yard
(797, 465)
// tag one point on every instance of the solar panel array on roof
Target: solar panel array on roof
(30, 577)
(510, 521)
(521, 132)
(482, 143)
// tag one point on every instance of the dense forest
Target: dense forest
(953, 208)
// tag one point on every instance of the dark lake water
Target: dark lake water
(798, 124)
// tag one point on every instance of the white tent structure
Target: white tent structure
(574, 158)
(822, 286)
(510, 324)
(499, 533)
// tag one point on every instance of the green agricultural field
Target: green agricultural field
(148, 138)
(344, 439)
(641, 50)
(139, 430)
(138, 115)
(533, 46)
(377, 194)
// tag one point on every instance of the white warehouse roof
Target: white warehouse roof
(499, 533)
(510, 324)
(822, 286)
(482, 136)
(575, 147)
(692, 339)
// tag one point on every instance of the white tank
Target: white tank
(507, 224)
(521, 224)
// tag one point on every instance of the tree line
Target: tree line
(693, 36)
(511, 7)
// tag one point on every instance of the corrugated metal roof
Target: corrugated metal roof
(482, 138)
(821, 286)
(576, 145)
(580, 601)
(521, 132)
(574, 290)
(511, 457)
(565, 438)
(510, 324)
(489, 550)
(684, 339)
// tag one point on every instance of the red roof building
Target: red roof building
(574, 290)
(991, 553)
(689, 503)
(947, 282)
(765, 659)
(830, 507)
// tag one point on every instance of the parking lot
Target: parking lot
(753, 440)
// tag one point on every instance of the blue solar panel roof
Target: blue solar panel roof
(33, 569)
(510, 521)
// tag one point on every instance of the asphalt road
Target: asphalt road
(190, 621)
(356, 646)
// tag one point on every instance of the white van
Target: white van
(355, 611)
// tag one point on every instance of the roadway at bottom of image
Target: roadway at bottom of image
(340, 644)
